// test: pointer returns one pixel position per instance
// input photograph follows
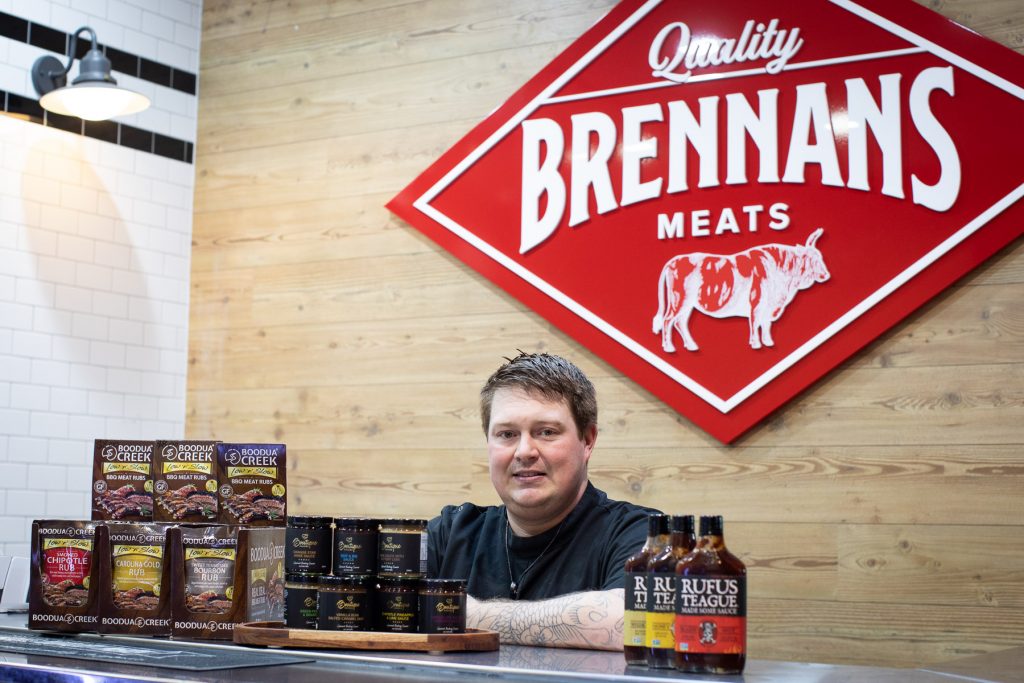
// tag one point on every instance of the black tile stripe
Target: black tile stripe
(27, 109)
(47, 38)
(154, 72)
(136, 138)
(24, 108)
(53, 40)
(106, 131)
(71, 124)
(14, 28)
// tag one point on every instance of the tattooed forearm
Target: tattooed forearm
(589, 620)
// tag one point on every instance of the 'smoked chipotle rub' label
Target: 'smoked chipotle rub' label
(136, 564)
(253, 485)
(65, 562)
(209, 554)
(122, 486)
(711, 614)
(185, 481)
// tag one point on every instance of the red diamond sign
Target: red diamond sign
(727, 200)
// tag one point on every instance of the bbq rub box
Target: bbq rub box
(136, 598)
(252, 480)
(185, 481)
(64, 578)
(122, 480)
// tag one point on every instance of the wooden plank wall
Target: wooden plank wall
(880, 513)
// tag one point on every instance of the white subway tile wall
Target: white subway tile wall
(94, 266)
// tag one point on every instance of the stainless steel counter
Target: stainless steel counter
(511, 663)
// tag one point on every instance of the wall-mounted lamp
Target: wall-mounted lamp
(94, 95)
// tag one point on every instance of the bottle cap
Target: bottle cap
(711, 525)
(657, 524)
(683, 524)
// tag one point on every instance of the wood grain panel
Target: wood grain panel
(344, 166)
(378, 483)
(873, 632)
(373, 101)
(793, 485)
(978, 328)
(395, 33)
(912, 406)
(879, 512)
(940, 565)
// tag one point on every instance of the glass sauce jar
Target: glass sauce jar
(308, 545)
(397, 605)
(402, 548)
(300, 600)
(346, 603)
(355, 545)
(442, 606)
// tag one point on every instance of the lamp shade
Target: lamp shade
(94, 95)
(94, 101)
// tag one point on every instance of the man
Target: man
(546, 567)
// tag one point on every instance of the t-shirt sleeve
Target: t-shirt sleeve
(438, 530)
(632, 532)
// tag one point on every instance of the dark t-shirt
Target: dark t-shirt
(587, 553)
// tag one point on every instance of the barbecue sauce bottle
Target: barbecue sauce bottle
(711, 606)
(635, 622)
(661, 569)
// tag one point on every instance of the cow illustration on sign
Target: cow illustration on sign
(756, 284)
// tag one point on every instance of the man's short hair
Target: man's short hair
(551, 377)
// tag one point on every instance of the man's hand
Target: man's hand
(591, 619)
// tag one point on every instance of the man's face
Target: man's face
(538, 460)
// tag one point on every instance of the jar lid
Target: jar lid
(346, 580)
(361, 523)
(294, 577)
(403, 522)
(313, 521)
(444, 584)
(399, 581)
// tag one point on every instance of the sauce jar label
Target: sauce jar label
(398, 614)
(355, 552)
(345, 611)
(402, 553)
(442, 613)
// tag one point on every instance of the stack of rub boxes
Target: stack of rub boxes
(186, 539)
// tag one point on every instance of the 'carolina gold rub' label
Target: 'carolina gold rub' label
(137, 566)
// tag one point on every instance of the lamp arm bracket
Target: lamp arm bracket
(48, 73)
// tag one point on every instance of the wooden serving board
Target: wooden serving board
(274, 633)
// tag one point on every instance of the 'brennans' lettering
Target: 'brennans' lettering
(593, 138)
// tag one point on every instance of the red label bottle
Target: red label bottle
(711, 606)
